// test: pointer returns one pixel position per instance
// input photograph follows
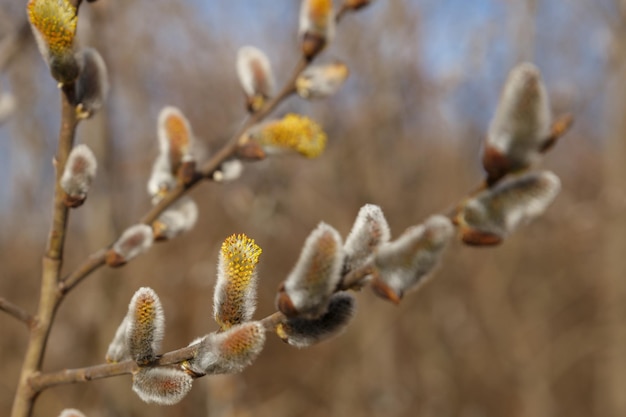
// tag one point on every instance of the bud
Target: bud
(316, 275)
(234, 300)
(317, 26)
(520, 126)
(54, 27)
(134, 241)
(255, 75)
(80, 169)
(146, 326)
(229, 170)
(370, 230)
(405, 263)
(161, 180)
(356, 4)
(321, 81)
(495, 213)
(179, 218)
(175, 137)
(248, 150)
(71, 412)
(291, 133)
(229, 352)
(92, 85)
(163, 386)
(302, 332)
(118, 348)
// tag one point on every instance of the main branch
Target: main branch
(50, 296)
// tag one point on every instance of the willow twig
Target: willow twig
(16, 311)
(41, 381)
(50, 297)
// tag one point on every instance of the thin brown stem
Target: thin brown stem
(50, 297)
(16, 311)
(93, 262)
(41, 381)
(354, 279)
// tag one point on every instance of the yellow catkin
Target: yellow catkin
(240, 255)
(56, 21)
(295, 132)
(145, 312)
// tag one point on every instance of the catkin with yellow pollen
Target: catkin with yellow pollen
(235, 290)
(146, 326)
(295, 132)
(55, 20)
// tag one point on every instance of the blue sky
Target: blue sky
(463, 42)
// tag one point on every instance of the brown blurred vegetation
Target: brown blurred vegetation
(534, 328)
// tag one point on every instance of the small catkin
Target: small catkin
(118, 348)
(321, 81)
(179, 218)
(161, 179)
(520, 125)
(234, 299)
(303, 332)
(54, 28)
(134, 241)
(308, 288)
(370, 230)
(229, 352)
(146, 326)
(317, 26)
(497, 212)
(92, 85)
(291, 133)
(80, 170)
(230, 170)
(175, 137)
(405, 263)
(163, 386)
(255, 75)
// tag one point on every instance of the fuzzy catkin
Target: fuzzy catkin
(229, 352)
(146, 326)
(303, 332)
(163, 386)
(315, 276)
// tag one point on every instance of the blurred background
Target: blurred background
(533, 328)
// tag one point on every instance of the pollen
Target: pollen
(295, 132)
(56, 21)
(319, 11)
(242, 255)
(145, 312)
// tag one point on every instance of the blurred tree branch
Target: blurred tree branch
(16, 311)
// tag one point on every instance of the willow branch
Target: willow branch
(50, 297)
(96, 260)
(41, 381)
(93, 262)
(16, 311)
